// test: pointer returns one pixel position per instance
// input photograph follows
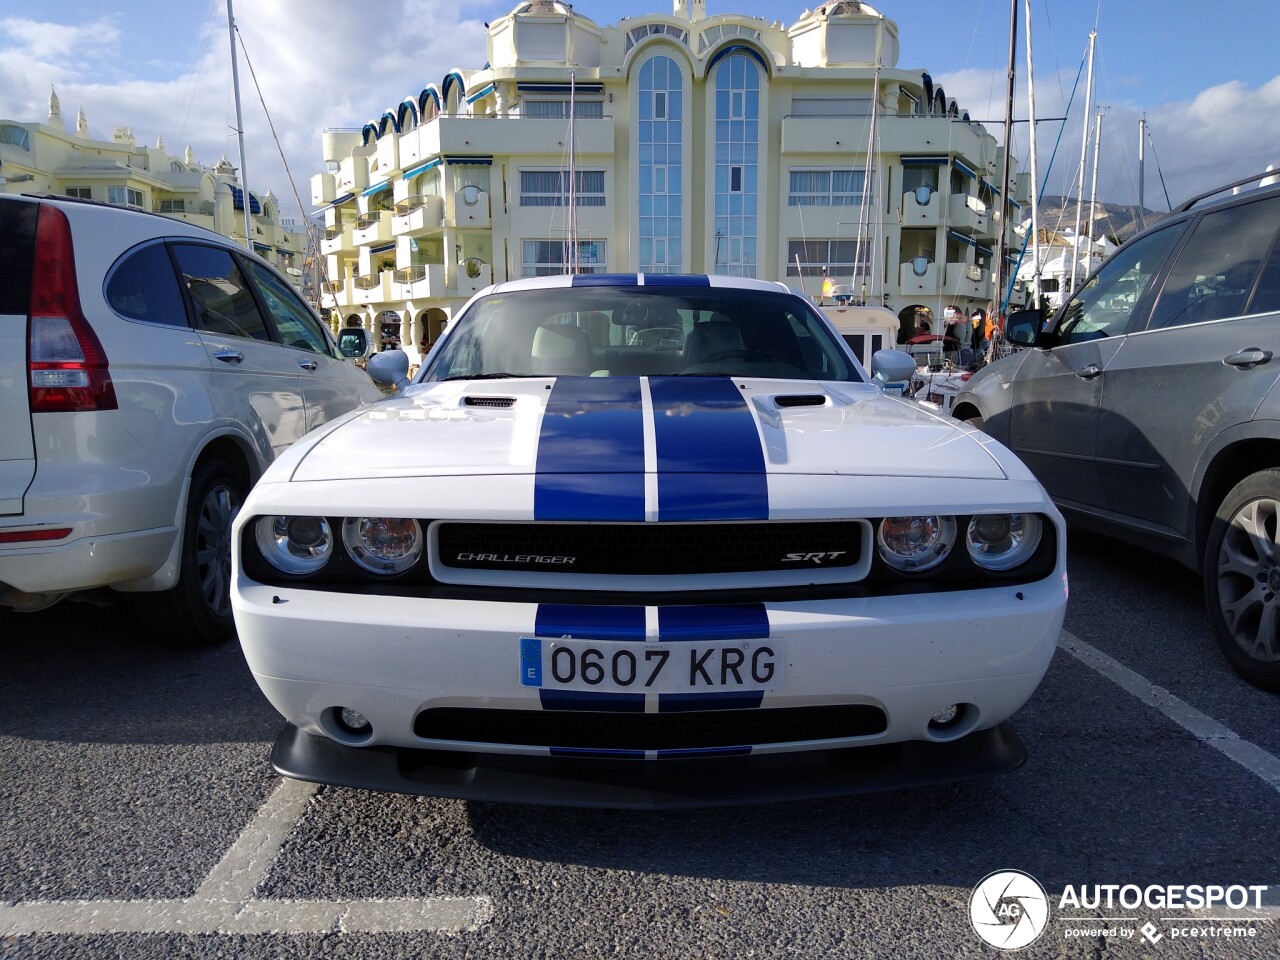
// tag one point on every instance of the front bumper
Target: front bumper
(646, 784)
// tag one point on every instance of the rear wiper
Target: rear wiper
(482, 376)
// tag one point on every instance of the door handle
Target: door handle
(229, 356)
(308, 365)
(1089, 371)
(1248, 358)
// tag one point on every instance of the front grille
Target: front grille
(654, 549)
(598, 730)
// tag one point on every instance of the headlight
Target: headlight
(915, 544)
(1003, 541)
(386, 545)
(297, 545)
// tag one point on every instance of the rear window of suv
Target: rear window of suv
(17, 252)
(144, 287)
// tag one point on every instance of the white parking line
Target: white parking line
(1204, 728)
(224, 902)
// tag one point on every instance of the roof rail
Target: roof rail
(1188, 204)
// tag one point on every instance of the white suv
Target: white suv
(149, 372)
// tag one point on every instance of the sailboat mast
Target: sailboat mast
(1142, 159)
(1093, 187)
(1006, 181)
(1035, 176)
(573, 181)
(1084, 152)
(244, 177)
(865, 222)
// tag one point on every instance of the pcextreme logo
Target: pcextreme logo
(1009, 909)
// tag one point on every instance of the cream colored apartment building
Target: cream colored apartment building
(48, 158)
(665, 143)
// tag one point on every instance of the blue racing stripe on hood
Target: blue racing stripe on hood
(583, 622)
(591, 451)
(710, 457)
(604, 280)
(744, 621)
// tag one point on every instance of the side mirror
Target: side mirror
(892, 370)
(390, 367)
(1023, 327)
(354, 343)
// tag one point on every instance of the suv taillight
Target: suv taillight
(66, 363)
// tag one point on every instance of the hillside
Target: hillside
(1113, 220)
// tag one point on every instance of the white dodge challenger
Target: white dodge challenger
(646, 541)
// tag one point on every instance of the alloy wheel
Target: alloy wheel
(1248, 579)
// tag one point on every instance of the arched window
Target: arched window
(737, 164)
(660, 173)
(17, 136)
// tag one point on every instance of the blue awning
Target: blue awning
(984, 250)
(376, 188)
(924, 161)
(560, 88)
(420, 168)
(988, 184)
(481, 161)
(963, 168)
(962, 238)
(383, 247)
(342, 199)
(480, 94)
(264, 247)
(237, 197)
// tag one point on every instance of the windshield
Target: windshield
(629, 331)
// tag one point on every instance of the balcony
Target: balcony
(337, 293)
(486, 136)
(918, 277)
(374, 288)
(922, 214)
(322, 189)
(422, 281)
(470, 208)
(968, 280)
(966, 213)
(416, 215)
(335, 239)
(472, 276)
(352, 176)
(388, 153)
(372, 228)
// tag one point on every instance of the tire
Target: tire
(1242, 578)
(197, 611)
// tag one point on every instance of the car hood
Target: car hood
(585, 425)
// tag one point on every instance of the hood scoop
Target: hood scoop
(801, 400)
(498, 402)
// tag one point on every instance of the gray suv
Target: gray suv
(1148, 406)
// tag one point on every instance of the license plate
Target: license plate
(683, 667)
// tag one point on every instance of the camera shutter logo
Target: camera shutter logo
(1009, 909)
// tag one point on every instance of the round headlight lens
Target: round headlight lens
(386, 545)
(1003, 541)
(915, 544)
(297, 545)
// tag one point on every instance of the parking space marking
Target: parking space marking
(1204, 728)
(224, 902)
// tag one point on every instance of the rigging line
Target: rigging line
(1022, 252)
(310, 227)
(1160, 172)
(203, 47)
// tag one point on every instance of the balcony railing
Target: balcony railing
(411, 274)
(368, 281)
(331, 233)
(409, 204)
(366, 220)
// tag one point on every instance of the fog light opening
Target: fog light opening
(347, 725)
(953, 721)
(943, 718)
(354, 722)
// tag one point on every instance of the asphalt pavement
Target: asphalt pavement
(140, 818)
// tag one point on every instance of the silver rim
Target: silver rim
(213, 548)
(1249, 579)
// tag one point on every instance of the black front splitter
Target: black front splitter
(667, 784)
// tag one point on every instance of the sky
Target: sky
(1204, 75)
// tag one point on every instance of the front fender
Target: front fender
(988, 395)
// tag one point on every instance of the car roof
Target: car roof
(670, 280)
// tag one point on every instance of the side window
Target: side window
(1215, 271)
(295, 324)
(1105, 304)
(219, 293)
(1266, 298)
(143, 287)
